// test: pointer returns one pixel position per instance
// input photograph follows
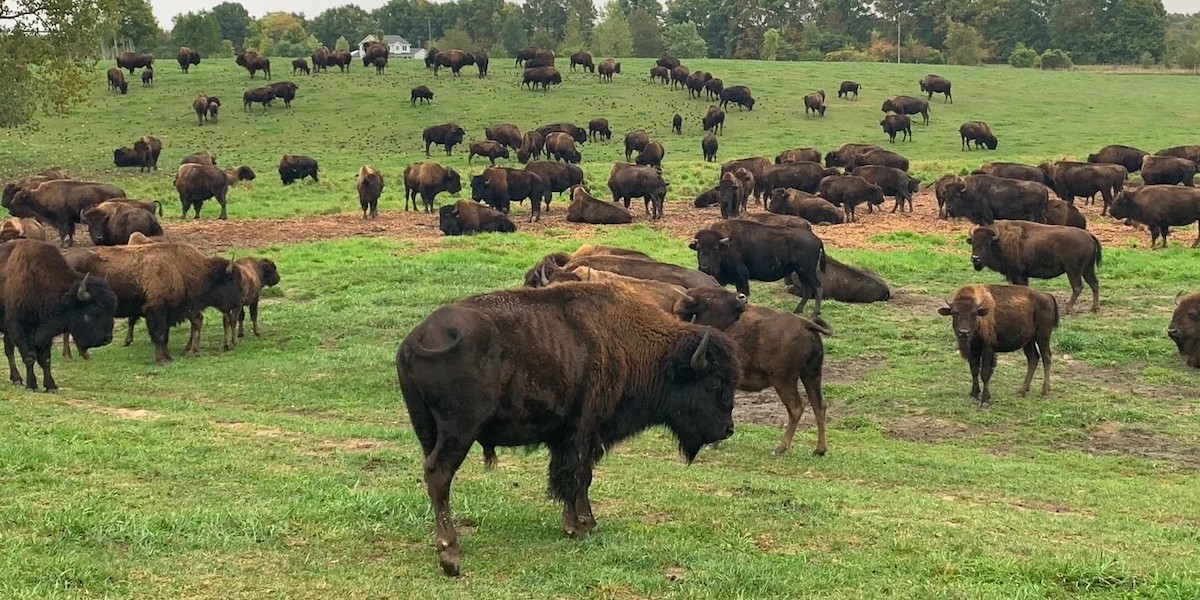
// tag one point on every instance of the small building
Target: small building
(398, 47)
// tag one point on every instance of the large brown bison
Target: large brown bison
(16, 228)
(736, 251)
(845, 283)
(197, 183)
(627, 182)
(12, 187)
(206, 107)
(165, 284)
(713, 88)
(1185, 329)
(370, 188)
(204, 157)
(561, 146)
(255, 274)
(1116, 154)
(1159, 207)
(116, 80)
(320, 60)
(447, 135)
(263, 95)
(814, 209)
(907, 105)
(814, 104)
(559, 176)
(841, 157)
(1061, 212)
(756, 165)
(300, 65)
(651, 155)
(543, 76)
(481, 63)
(466, 217)
(60, 202)
(421, 92)
(679, 76)
(893, 124)
(41, 297)
(148, 148)
(294, 168)
(847, 88)
(695, 83)
(544, 58)
(1020, 250)
(667, 62)
(988, 319)
(1012, 171)
(187, 58)
(979, 132)
(585, 208)
(880, 157)
(608, 68)
(936, 84)
(1168, 170)
(576, 132)
(1190, 152)
(662, 74)
(429, 179)
(709, 146)
(373, 50)
(340, 59)
(584, 60)
(797, 155)
(533, 145)
(494, 350)
(635, 141)
(729, 190)
(134, 60)
(848, 191)
(286, 91)
(739, 95)
(110, 223)
(525, 54)
(629, 263)
(1071, 179)
(454, 60)
(803, 175)
(599, 129)
(774, 349)
(505, 133)
(500, 186)
(894, 182)
(487, 148)
(253, 62)
(713, 120)
(982, 199)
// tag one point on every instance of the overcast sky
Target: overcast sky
(165, 9)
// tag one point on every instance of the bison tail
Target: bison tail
(159, 204)
(415, 348)
(1099, 250)
(821, 260)
(1056, 312)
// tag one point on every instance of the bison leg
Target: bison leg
(987, 365)
(193, 345)
(43, 359)
(229, 321)
(813, 283)
(160, 335)
(973, 362)
(1196, 244)
(440, 466)
(816, 397)
(28, 357)
(1076, 289)
(794, 403)
(14, 374)
(1031, 361)
(129, 331)
(66, 342)
(1043, 343)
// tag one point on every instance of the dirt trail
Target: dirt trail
(681, 221)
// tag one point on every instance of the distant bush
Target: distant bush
(812, 55)
(848, 56)
(933, 57)
(1055, 59)
(1146, 60)
(1023, 57)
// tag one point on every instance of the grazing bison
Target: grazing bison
(608, 68)
(206, 107)
(935, 84)
(499, 186)
(894, 182)
(730, 194)
(841, 157)
(907, 105)
(429, 179)
(598, 128)
(60, 202)
(1012, 171)
(803, 175)
(116, 80)
(1185, 329)
(651, 155)
(197, 183)
(677, 124)
(203, 157)
(525, 54)
(709, 146)
(585, 208)
(1020, 250)
(454, 60)
(988, 319)
(1072, 179)
(814, 209)
(320, 59)
(774, 349)
(481, 63)
(627, 182)
(1126, 156)
(584, 60)
(376, 50)
(1168, 170)
(814, 104)
(660, 73)
(848, 191)
(15, 228)
(134, 60)
(559, 176)
(1191, 153)
(736, 251)
(286, 91)
(505, 133)
(659, 370)
(533, 145)
(466, 217)
(110, 223)
(491, 149)
(679, 76)
(981, 199)
(893, 124)
(713, 88)
(300, 65)
(148, 77)
(295, 168)
(739, 95)
(41, 296)
(880, 157)
(847, 88)
(980, 133)
(255, 274)
(447, 135)
(798, 155)
(1159, 207)
(421, 93)
(262, 95)
(187, 58)
(713, 120)
(543, 76)
(577, 133)
(253, 62)
(561, 146)
(370, 188)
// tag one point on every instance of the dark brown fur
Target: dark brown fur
(1020, 250)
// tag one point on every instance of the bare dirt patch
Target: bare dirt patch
(765, 408)
(1122, 439)
(928, 429)
(353, 445)
(133, 414)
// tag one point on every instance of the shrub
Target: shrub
(812, 55)
(1146, 60)
(848, 55)
(1023, 57)
(1055, 59)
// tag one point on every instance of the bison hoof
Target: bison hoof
(780, 451)
(451, 565)
(52, 390)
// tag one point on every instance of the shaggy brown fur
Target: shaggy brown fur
(197, 183)
(585, 208)
(787, 201)
(61, 201)
(428, 179)
(1185, 329)
(15, 228)
(111, 223)
(370, 187)
(1020, 250)
(256, 273)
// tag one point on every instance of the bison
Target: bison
(627, 181)
(466, 217)
(798, 155)
(709, 146)
(982, 199)
(543, 76)
(375, 49)
(61, 201)
(848, 191)
(988, 319)
(894, 182)
(805, 176)
(679, 76)
(876, 156)
(935, 84)
(1159, 207)
(498, 186)
(814, 209)
(505, 133)
(420, 93)
(1185, 329)
(1191, 153)
(447, 135)
(262, 95)
(454, 60)
(206, 107)
(16, 228)
(980, 133)
(730, 194)
(525, 54)
(585, 208)
(629, 263)
(1126, 156)
(1061, 212)
(286, 91)
(481, 63)
(255, 274)
(148, 148)
(841, 157)
(41, 296)
(1012, 171)
(713, 88)
(204, 157)
(544, 58)
(635, 141)
(116, 80)
(708, 198)
(134, 60)
(561, 146)
(660, 73)
(1020, 250)
(187, 58)
(845, 283)
(667, 62)
(491, 149)
(429, 179)
(294, 168)
(907, 105)
(1071, 179)
(490, 349)
(598, 128)
(370, 188)
(197, 183)
(253, 62)
(148, 77)
(110, 223)
(320, 59)
(577, 133)
(893, 124)
(559, 176)
(814, 104)
(651, 155)
(300, 65)
(533, 145)
(1168, 170)
(584, 60)
(847, 88)
(608, 68)
(739, 95)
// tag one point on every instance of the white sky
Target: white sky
(165, 9)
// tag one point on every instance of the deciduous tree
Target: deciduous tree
(234, 22)
(199, 31)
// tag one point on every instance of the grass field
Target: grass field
(287, 468)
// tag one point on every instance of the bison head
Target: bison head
(452, 181)
(126, 157)
(712, 249)
(984, 247)
(449, 221)
(91, 305)
(1122, 206)
(966, 313)
(712, 306)
(889, 106)
(832, 160)
(1185, 329)
(479, 188)
(701, 370)
(21, 205)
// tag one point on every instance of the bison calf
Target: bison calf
(256, 273)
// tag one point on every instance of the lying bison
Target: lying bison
(1020, 250)
(1012, 171)
(876, 156)
(466, 217)
(585, 208)
(1159, 207)
(1185, 329)
(804, 176)
(814, 209)
(428, 179)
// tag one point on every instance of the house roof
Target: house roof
(387, 39)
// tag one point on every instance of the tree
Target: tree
(282, 26)
(482, 19)
(46, 46)
(549, 18)
(646, 30)
(612, 36)
(1138, 27)
(512, 33)
(770, 47)
(964, 45)
(342, 44)
(228, 50)
(713, 19)
(650, 7)
(573, 40)
(682, 40)
(413, 19)
(348, 20)
(135, 23)
(199, 31)
(234, 22)
(456, 38)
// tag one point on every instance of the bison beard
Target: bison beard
(469, 369)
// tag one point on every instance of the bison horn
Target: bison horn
(229, 267)
(83, 294)
(724, 241)
(1178, 296)
(699, 358)
(545, 281)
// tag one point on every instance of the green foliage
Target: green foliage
(682, 40)
(199, 31)
(512, 34)
(342, 44)
(135, 23)
(455, 38)
(234, 21)
(1055, 59)
(573, 39)
(228, 50)
(1022, 57)
(848, 55)
(645, 27)
(348, 20)
(612, 37)
(1146, 60)
(770, 46)
(964, 45)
